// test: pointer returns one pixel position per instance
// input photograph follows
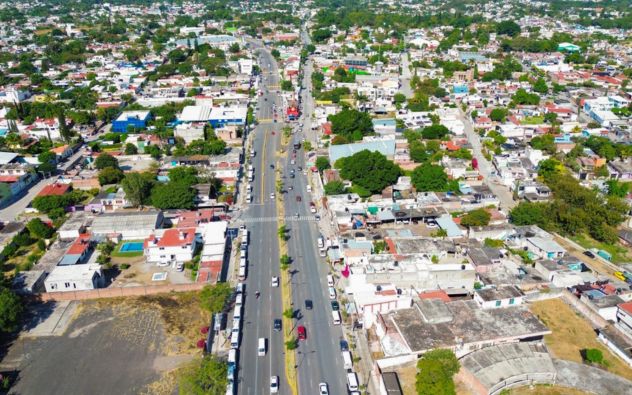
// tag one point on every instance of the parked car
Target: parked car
(302, 332)
(334, 305)
(589, 254)
(344, 346)
(277, 324)
(308, 304)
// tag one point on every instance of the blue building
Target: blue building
(131, 120)
(222, 116)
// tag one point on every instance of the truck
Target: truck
(251, 175)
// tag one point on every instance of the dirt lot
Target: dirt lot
(140, 273)
(114, 346)
(571, 334)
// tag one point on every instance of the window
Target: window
(67, 285)
(511, 301)
(498, 303)
(162, 248)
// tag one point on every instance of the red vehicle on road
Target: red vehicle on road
(302, 332)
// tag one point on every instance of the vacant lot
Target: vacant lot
(571, 334)
(114, 346)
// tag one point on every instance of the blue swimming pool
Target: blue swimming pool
(132, 246)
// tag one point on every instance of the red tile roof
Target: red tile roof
(627, 307)
(80, 245)
(9, 179)
(438, 294)
(172, 238)
(54, 190)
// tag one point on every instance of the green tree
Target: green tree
(432, 379)
(523, 97)
(322, 163)
(540, 86)
(214, 297)
(527, 213)
(173, 195)
(137, 187)
(334, 188)
(478, 217)
(110, 175)
(204, 376)
(106, 160)
(593, 355)
(429, 177)
(550, 117)
(351, 124)
(39, 229)
(130, 149)
(183, 174)
(369, 170)
(286, 85)
(11, 308)
(48, 162)
(619, 189)
(434, 132)
(509, 28)
(545, 143)
(447, 359)
(498, 114)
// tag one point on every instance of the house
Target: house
(133, 120)
(74, 278)
(545, 248)
(189, 132)
(128, 225)
(384, 146)
(222, 116)
(74, 226)
(170, 246)
(108, 201)
(78, 252)
(56, 189)
(624, 318)
(503, 296)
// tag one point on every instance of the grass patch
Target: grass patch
(126, 254)
(571, 334)
(618, 252)
(532, 120)
(543, 389)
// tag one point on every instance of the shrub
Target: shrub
(124, 266)
(594, 355)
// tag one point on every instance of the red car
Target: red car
(302, 332)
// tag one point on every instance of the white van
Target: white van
(336, 317)
(242, 273)
(237, 314)
(239, 299)
(309, 188)
(322, 252)
(352, 381)
(347, 362)
(236, 326)
(234, 340)
(332, 293)
(330, 280)
(232, 357)
(242, 261)
(261, 350)
(244, 236)
(321, 242)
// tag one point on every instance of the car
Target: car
(298, 198)
(589, 254)
(292, 171)
(332, 293)
(272, 195)
(335, 306)
(277, 324)
(275, 281)
(300, 168)
(344, 346)
(308, 304)
(302, 332)
(322, 389)
(274, 384)
(293, 162)
(292, 175)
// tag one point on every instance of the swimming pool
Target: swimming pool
(132, 246)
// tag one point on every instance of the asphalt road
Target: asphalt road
(263, 259)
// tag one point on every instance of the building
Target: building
(128, 225)
(170, 246)
(131, 120)
(56, 189)
(545, 248)
(384, 146)
(189, 132)
(222, 116)
(494, 298)
(74, 278)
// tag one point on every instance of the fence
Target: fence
(119, 292)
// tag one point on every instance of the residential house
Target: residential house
(497, 297)
(171, 246)
(131, 120)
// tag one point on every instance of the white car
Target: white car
(275, 281)
(272, 195)
(274, 384)
(322, 389)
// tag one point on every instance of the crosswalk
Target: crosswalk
(292, 218)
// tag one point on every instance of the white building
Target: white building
(503, 296)
(171, 246)
(78, 277)
(189, 132)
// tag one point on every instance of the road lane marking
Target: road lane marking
(263, 167)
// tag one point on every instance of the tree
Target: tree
(545, 143)
(286, 85)
(334, 188)
(498, 114)
(593, 355)
(434, 132)
(39, 229)
(214, 297)
(617, 188)
(351, 124)
(478, 217)
(173, 195)
(429, 177)
(435, 370)
(447, 359)
(322, 163)
(110, 175)
(47, 161)
(399, 98)
(509, 28)
(369, 170)
(106, 160)
(130, 149)
(550, 117)
(205, 376)
(64, 130)
(10, 310)
(137, 187)
(523, 97)
(540, 86)
(527, 213)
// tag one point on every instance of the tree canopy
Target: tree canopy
(204, 376)
(435, 370)
(509, 28)
(10, 310)
(369, 170)
(351, 124)
(137, 187)
(478, 217)
(106, 160)
(428, 177)
(173, 195)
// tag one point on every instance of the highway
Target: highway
(263, 259)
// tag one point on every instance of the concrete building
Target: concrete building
(189, 132)
(74, 278)
(170, 246)
(128, 225)
(494, 298)
(134, 120)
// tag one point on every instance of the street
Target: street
(485, 168)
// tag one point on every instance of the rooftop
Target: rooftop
(503, 292)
